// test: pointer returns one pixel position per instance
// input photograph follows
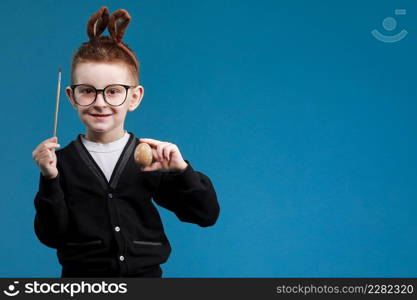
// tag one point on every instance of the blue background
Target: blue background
(302, 119)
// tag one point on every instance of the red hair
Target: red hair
(104, 48)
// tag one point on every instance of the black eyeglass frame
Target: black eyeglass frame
(127, 87)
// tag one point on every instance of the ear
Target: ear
(118, 22)
(68, 92)
(98, 23)
(136, 98)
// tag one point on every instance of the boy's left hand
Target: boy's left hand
(166, 156)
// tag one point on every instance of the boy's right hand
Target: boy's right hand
(45, 157)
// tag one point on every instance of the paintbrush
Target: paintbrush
(57, 100)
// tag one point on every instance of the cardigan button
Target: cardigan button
(122, 258)
(117, 228)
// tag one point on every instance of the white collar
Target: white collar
(106, 147)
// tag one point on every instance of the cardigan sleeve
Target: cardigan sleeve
(51, 218)
(190, 195)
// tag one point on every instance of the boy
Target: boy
(94, 203)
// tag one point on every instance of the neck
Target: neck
(104, 137)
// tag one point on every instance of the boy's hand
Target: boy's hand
(45, 157)
(167, 156)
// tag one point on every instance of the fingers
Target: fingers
(53, 139)
(45, 147)
(45, 152)
(157, 156)
(161, 150)
(45, 158)
(151, 142)
(48, 144)
(51, 145)
(161, 157)
(161, 153)
(153, 167)
(167, 150)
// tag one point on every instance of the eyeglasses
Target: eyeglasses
(113, 95)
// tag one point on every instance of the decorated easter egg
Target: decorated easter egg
(143, 154)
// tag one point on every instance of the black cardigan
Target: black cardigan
(102, 228)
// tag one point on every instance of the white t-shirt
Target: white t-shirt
(106, 155)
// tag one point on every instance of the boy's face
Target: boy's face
(100, 117)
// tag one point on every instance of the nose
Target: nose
(100, 99)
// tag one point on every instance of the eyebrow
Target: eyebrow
(105, 85)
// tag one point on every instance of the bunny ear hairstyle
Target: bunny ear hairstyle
(117, 25)
(98, 23)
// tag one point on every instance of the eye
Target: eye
(86, 90)
(113, 90)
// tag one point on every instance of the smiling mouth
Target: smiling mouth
(100, 115)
